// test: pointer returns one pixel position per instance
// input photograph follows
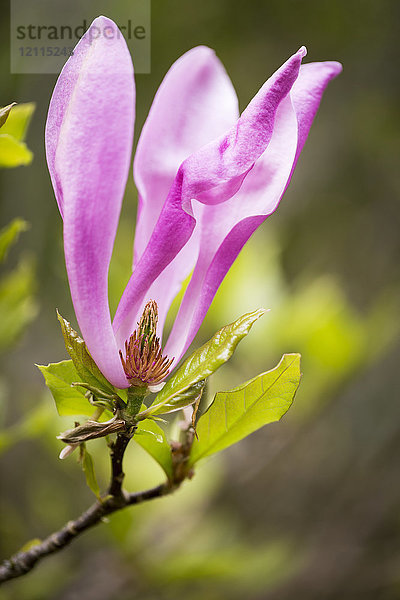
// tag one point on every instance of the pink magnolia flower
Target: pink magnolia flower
(206, 177)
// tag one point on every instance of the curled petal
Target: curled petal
(89, 134)
(226, 228)
(212, 175)
(194, 104)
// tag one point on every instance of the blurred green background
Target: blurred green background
(307, 508)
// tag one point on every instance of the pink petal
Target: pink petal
(211, 175)
(225, 228)
(88, 142)
(194, 104)
(307, 93)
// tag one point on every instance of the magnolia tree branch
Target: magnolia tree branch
(117, 454)
(22, 562)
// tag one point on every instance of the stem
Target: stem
(117, 454)
(23, 562)
(136, 395)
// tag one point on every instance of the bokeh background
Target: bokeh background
(306, 508)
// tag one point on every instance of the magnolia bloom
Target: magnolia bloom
(206, 178)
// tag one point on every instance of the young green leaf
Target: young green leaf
(88, 469)
(207, 359)
(235, 414)
(18, 120)
(9, 235)
(4, 112)
(12, 152)
(101, 399)
(156, 445)
(17, 302)
(69, 400)
(186, 398)
(30, 544)
(84, 364)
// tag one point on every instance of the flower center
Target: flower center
(144, 362)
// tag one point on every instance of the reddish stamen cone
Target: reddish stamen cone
(144, 362)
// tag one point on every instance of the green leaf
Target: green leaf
(84, 364)
(30, 544)
(69, 400)
(207, 359)
(186, 398)
(156, 444)
(9, 235)
(17, 304)
(4, 112)
(14, 124)
(18, 120)
(88, 469)
(12, 152)
(235, 414)
(33, 424)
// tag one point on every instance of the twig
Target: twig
(22, 562)
(117, 454)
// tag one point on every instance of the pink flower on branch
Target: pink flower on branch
(206, 177)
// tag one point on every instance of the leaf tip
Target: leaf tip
(4, 113)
